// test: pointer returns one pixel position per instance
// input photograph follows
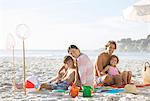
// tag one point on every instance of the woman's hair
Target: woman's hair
(72, 46)
(109, 43)
(67, 58)
(114, 56)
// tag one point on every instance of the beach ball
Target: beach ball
(32, 84)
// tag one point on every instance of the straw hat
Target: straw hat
(130, 88)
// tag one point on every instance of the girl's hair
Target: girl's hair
(72, 46)
(114, 56)
(109, 43)
(67, 58)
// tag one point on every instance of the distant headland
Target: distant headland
(129, 45)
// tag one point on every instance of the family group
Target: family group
(79, 70)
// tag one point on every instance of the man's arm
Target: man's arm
(104, 70)
(99, 64)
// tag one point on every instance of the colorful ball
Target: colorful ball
(32, 84)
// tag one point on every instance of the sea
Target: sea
(59, 54)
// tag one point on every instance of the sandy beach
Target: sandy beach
(45, 31)
(46, 67)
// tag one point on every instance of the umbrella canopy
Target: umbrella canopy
(140, 11)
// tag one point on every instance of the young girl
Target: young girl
(67, 79)
(112, 70)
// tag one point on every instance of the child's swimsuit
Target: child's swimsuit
(113, 71)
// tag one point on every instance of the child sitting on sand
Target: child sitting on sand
(68, 78)
(113, 71)
(66, 75)
(61, 71)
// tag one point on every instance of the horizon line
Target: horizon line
(48, 49)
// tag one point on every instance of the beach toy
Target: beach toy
(32, 84)
(10, 46)
(74, 91)
(22, 31)
(87, 91)
(146, 73)
(130, 88)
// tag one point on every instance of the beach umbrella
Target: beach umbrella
(140, 11)
(10, 45)
(23, 31)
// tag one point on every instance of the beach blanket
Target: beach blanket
(108, 90)
(137, 85)
(122, 86)
(115, 89)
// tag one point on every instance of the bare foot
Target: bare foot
(19, 86)
(45, 86)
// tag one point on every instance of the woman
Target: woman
(103, 60)
(84, 65)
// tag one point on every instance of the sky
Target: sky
(55, 24)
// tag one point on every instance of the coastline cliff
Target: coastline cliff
(129, 45)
